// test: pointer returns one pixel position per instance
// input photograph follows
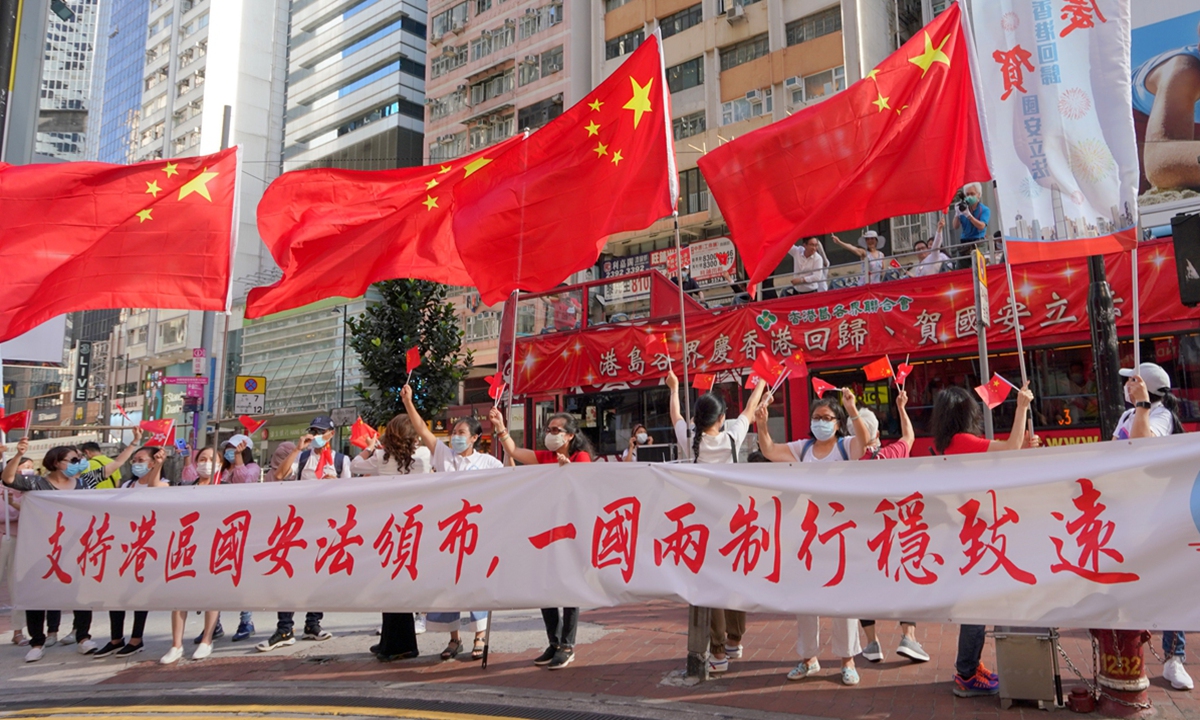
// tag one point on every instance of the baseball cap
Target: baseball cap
(1157, 380)
(322, 422)
(236, 440)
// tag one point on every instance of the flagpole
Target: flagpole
(1012, 306)
(687, 393)
(1137, 315)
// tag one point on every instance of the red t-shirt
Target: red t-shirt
(966, 443)
(895, 451)
(546, 457)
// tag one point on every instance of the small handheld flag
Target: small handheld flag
(894, 264)
(795, 364)
(251, 424)
(22, 420)
(122, 411)
(703, 381)
(903, 370)
(496, 387)
(361, 434)
(412, 359)
(767, 368)
(820, 387)
(995, 391)
(162, 432)
(879, 369)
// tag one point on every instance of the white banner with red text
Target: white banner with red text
(1103, 535)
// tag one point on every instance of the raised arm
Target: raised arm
(10, 470)
(673, 386)
(937, 236)
(860, 441)
(906, 427)
(1141, 416)
(521, 455)
(1016, 438)
(755, 400)
(127, 453)
(428, 439)
(767, 446)
(856, 250)
(285, 467)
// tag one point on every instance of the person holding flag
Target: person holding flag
(97, 460)
(930, 258)
(870, 251)
(313, 458)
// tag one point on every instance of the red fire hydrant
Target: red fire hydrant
(1122, 673)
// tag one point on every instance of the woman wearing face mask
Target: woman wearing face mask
(237, 461)
(460, 456)
(828, 444)
(715, 440)
(66, 469)
(564, 445)
(147, 472)
(200, 471)
(637, 439)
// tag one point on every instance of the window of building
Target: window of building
(537, 19)
(552, 61)
(682, 20)
(693, 192)
(447, 104)
(448, 147)
(490, 132)
(819, 85)
(396, 107)
(744, 52)
(686, 75)
(482, 6)
(814, 26)
(154, 105)
(536, 115)
(451, 58)
(688, 125)
(481, 326)
(451, 20)
(756, 103)
(139, 335)
(492, 87)
(172, 332)
(194, 26)
(623, 44)
(610, 5)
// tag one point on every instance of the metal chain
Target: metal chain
(1094, 685)
(1150, 644)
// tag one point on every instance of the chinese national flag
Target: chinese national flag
(995, 391)
(704, 381)
(545, 209)
(162, 432)
(361, 434)
(878, 369)
(902, 140)
(334, 232)
(795, 364)
(820, 387)
(250, 424)
(93, 236)
(20, 420)
(767, 368)
(412, 359)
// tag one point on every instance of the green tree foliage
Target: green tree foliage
(413, 313)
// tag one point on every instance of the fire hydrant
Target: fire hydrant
(1122, 673)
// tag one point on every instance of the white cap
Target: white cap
(1157, 379)
(238, 440)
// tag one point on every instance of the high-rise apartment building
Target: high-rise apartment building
(120, 60)
(66, 94)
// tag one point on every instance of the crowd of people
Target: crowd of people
(839, 431)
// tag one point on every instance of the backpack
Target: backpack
(732, 450)
(841, 446)
(339, 462)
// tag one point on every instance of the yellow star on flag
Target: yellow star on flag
(443, 170)
(144, 215)
(198, 185)
(931, 55)
(431, 184)
(153, 188)
(874, 75)
(881, 102)
(616, 158)
(430, 202)
(601, 150)
(592, 128)
(475, 166)
(170, 169)
(640, 102)
(595, 105)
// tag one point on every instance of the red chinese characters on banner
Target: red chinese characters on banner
(181, 550)
(976, 547)
(229, 546)
(281, 541)
(462, 536)
(687, 544)
(1092, 536)
(1080, 15)
(811, 532)
(614, 540)
(336, 550)
(96, 544)
(398, 544)
(55, 554)
(138, 549)
(1013, 64)
(750, 540)
(913, 537)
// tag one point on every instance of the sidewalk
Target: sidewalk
(630, 652)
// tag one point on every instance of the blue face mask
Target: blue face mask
(230, 454)
(823, 429)
(459, 443)
(76, 468)
(318, 442)
(139, 469)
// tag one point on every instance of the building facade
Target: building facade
(66, 94)
(120, 59)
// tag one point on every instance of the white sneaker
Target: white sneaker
(1174, 673)
(34, 654)
(173, 655)
(87, 647)
(419, 622)
(203, 650)
(68, 639)
(52, 640)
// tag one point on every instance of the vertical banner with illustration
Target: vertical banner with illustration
(1053, 82)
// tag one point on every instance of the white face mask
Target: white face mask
(205, 468)
(554, 442)
(642, 438)
(823, 429)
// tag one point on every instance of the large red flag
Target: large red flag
(545, 209)
(334, 232)
(901, 140)
(93, 236)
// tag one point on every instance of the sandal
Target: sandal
(452, 649)
(477, 651)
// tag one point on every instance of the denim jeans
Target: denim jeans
(970, 649)
(287, 622)
(247, 618)
(1174, 643)
(560, 628)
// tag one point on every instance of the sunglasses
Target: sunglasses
(556, 430)
(72, 460)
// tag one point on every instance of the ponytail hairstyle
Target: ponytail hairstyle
(579, 442)
(1170, 402)
(839, 412)
(399, 441)
(708, 412)
(954, 412)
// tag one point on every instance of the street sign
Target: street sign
(344, 416)
(83, 368)
(198, 361)
(249, 403)
(251, 384)
(982, 306)
(184, 380)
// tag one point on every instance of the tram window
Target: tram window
(1064, 387)
(516, 426)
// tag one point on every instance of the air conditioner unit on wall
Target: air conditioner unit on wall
(735, 14)
(792, 82)
(754, 95)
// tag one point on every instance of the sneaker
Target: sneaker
(804, 670)
(562, 658)
(1174, 673)
(173, 655)
(977, 685)
(52, 640)
(419, 623)
(546, 657)
(203, 650)
(374, 649)
(278, 639)
(733, 652)
(34, 654)
(317, 634)
(87, 647)
(130, 649)
(218, 632)
(981, 670)
(244, 631)
(109, 649)
(912, 650)
(873, 652)
(21, 640)
(849, 675)
(717, 665)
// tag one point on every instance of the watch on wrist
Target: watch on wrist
(1143, 404)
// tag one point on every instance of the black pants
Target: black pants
(560, 628)
(286, 621)
(116, 624)
(399, 634)
(39, 623)
(869, 623)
